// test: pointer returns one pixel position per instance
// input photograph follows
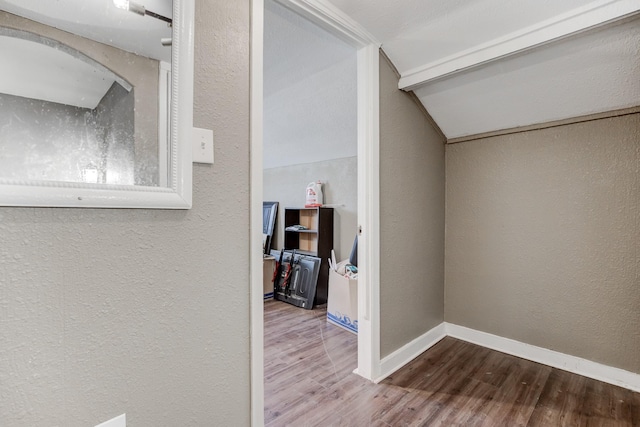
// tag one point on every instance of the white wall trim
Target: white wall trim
(590, 16)
(164, 100)
(333, 20)
(255, 255)
(576, 365)
(410, 351)
(369, 212)
(555, 359)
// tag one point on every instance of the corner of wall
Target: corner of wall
(411, 217)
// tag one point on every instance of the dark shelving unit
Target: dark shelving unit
(316, 241)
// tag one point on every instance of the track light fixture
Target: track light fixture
(140, 10)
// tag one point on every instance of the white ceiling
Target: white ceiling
(485, 65)
(294, 48)
(417, 32)
(101, 21)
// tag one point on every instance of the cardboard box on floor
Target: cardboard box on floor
(342, 304)
(268, 266)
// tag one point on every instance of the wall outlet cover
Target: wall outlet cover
(119, 421)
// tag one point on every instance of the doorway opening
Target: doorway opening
(285, 88)
(309, 148)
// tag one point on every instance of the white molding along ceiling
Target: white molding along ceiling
(571, 23)
(594, 73)
(327, 16)
(487, 65)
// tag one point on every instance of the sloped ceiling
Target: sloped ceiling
(485, 65)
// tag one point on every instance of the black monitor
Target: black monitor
(353, 258)
(269, 217)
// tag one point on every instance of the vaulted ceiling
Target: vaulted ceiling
(485, 65)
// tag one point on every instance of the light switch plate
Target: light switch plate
(119, 421)
(202, 146)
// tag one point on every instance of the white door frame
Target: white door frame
(342, 26)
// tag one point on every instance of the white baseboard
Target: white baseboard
(545, 356)
(555, 359)
(410, 351)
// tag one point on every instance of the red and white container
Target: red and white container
(314, 195)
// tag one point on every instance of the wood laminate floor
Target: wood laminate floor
(309, 382)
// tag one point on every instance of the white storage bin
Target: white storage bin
(342, 304)
(268, 267)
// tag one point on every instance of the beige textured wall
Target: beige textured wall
(140, 311)
(287, 185)
(411, 218)
(543, 235)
